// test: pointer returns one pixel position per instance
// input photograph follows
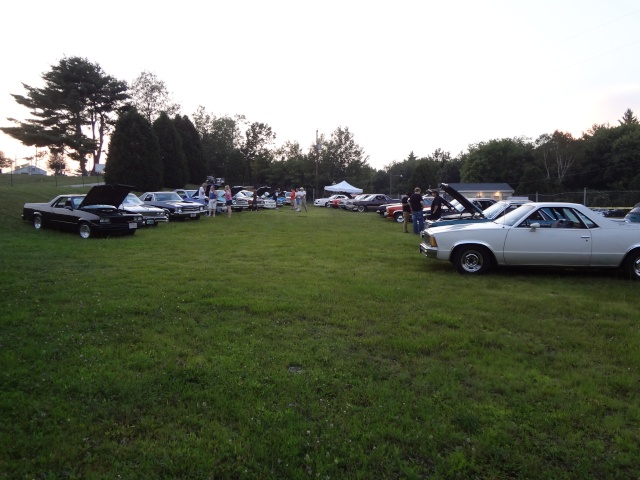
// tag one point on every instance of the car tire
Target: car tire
(37, 222)
(328, 204)
(362, 208)
(472, 259)
(632, 265)
(84, 230)
(398, 217)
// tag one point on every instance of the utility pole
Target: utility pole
(315, 195)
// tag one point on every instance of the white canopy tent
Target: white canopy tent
(343, 187)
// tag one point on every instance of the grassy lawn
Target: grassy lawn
(277, 344)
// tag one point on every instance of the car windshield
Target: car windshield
(633, 216)
(168, 197)
(514, 216)
(131, 199)
(494, 210)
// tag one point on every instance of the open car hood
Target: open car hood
(106, 195)
(464, 201)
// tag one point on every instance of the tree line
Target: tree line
(152, 146)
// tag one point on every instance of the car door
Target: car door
(560, 238)
(62, 214)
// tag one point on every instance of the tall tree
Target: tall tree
(258, 139)
(342, 156)
(134, 154)
(174, 161)
(151, 97)
(500, 160)
(221, 138)
(557, 153)
(74, 112)
(192, 147)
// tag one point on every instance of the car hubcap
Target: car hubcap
(37, 222)
(636, 267)
(85, 231)
(472, 262)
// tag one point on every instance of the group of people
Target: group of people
(298, 199)
(209, 192)
(413, 207)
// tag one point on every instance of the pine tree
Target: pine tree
(72, 112)
(192, 147)
(628, 118)
(174, 160)
(134, 154)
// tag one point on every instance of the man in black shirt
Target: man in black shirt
(436, 206)
(416, 204)
(406, 211)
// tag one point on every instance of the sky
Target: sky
(403, 76)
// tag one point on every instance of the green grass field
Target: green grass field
(277, 344)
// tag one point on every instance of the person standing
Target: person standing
(228, 199)
(201, 195)
(436, 206)
(293, 198)
(213, 202)
(297, 208)
(417, 205)
(303, 200)
(254, 200)
(406, 212)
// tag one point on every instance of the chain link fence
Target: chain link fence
(592, 198)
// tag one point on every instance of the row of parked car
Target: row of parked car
(114, 210)
(476, 234)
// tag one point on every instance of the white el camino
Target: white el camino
(538, 234)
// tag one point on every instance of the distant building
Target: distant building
(30, 170)
(497, 191)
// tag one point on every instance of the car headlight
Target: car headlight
(179, 210)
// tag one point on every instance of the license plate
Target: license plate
(133, 225)
(193, 215)
(150, 221)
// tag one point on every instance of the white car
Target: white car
(326, 202)
(538, 234)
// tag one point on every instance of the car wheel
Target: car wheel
(398, 217)
(84, 229)
(472, 259)
(362, 208)
(632, 265)
(37, 222)
(328, 205)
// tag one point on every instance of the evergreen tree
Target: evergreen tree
(73, 112)
(174, 161)
(192, 147)
(628, 118)
(134, 154)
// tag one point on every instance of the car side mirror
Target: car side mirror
(534, 226)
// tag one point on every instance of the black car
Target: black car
(95, 213)
(372, 202)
